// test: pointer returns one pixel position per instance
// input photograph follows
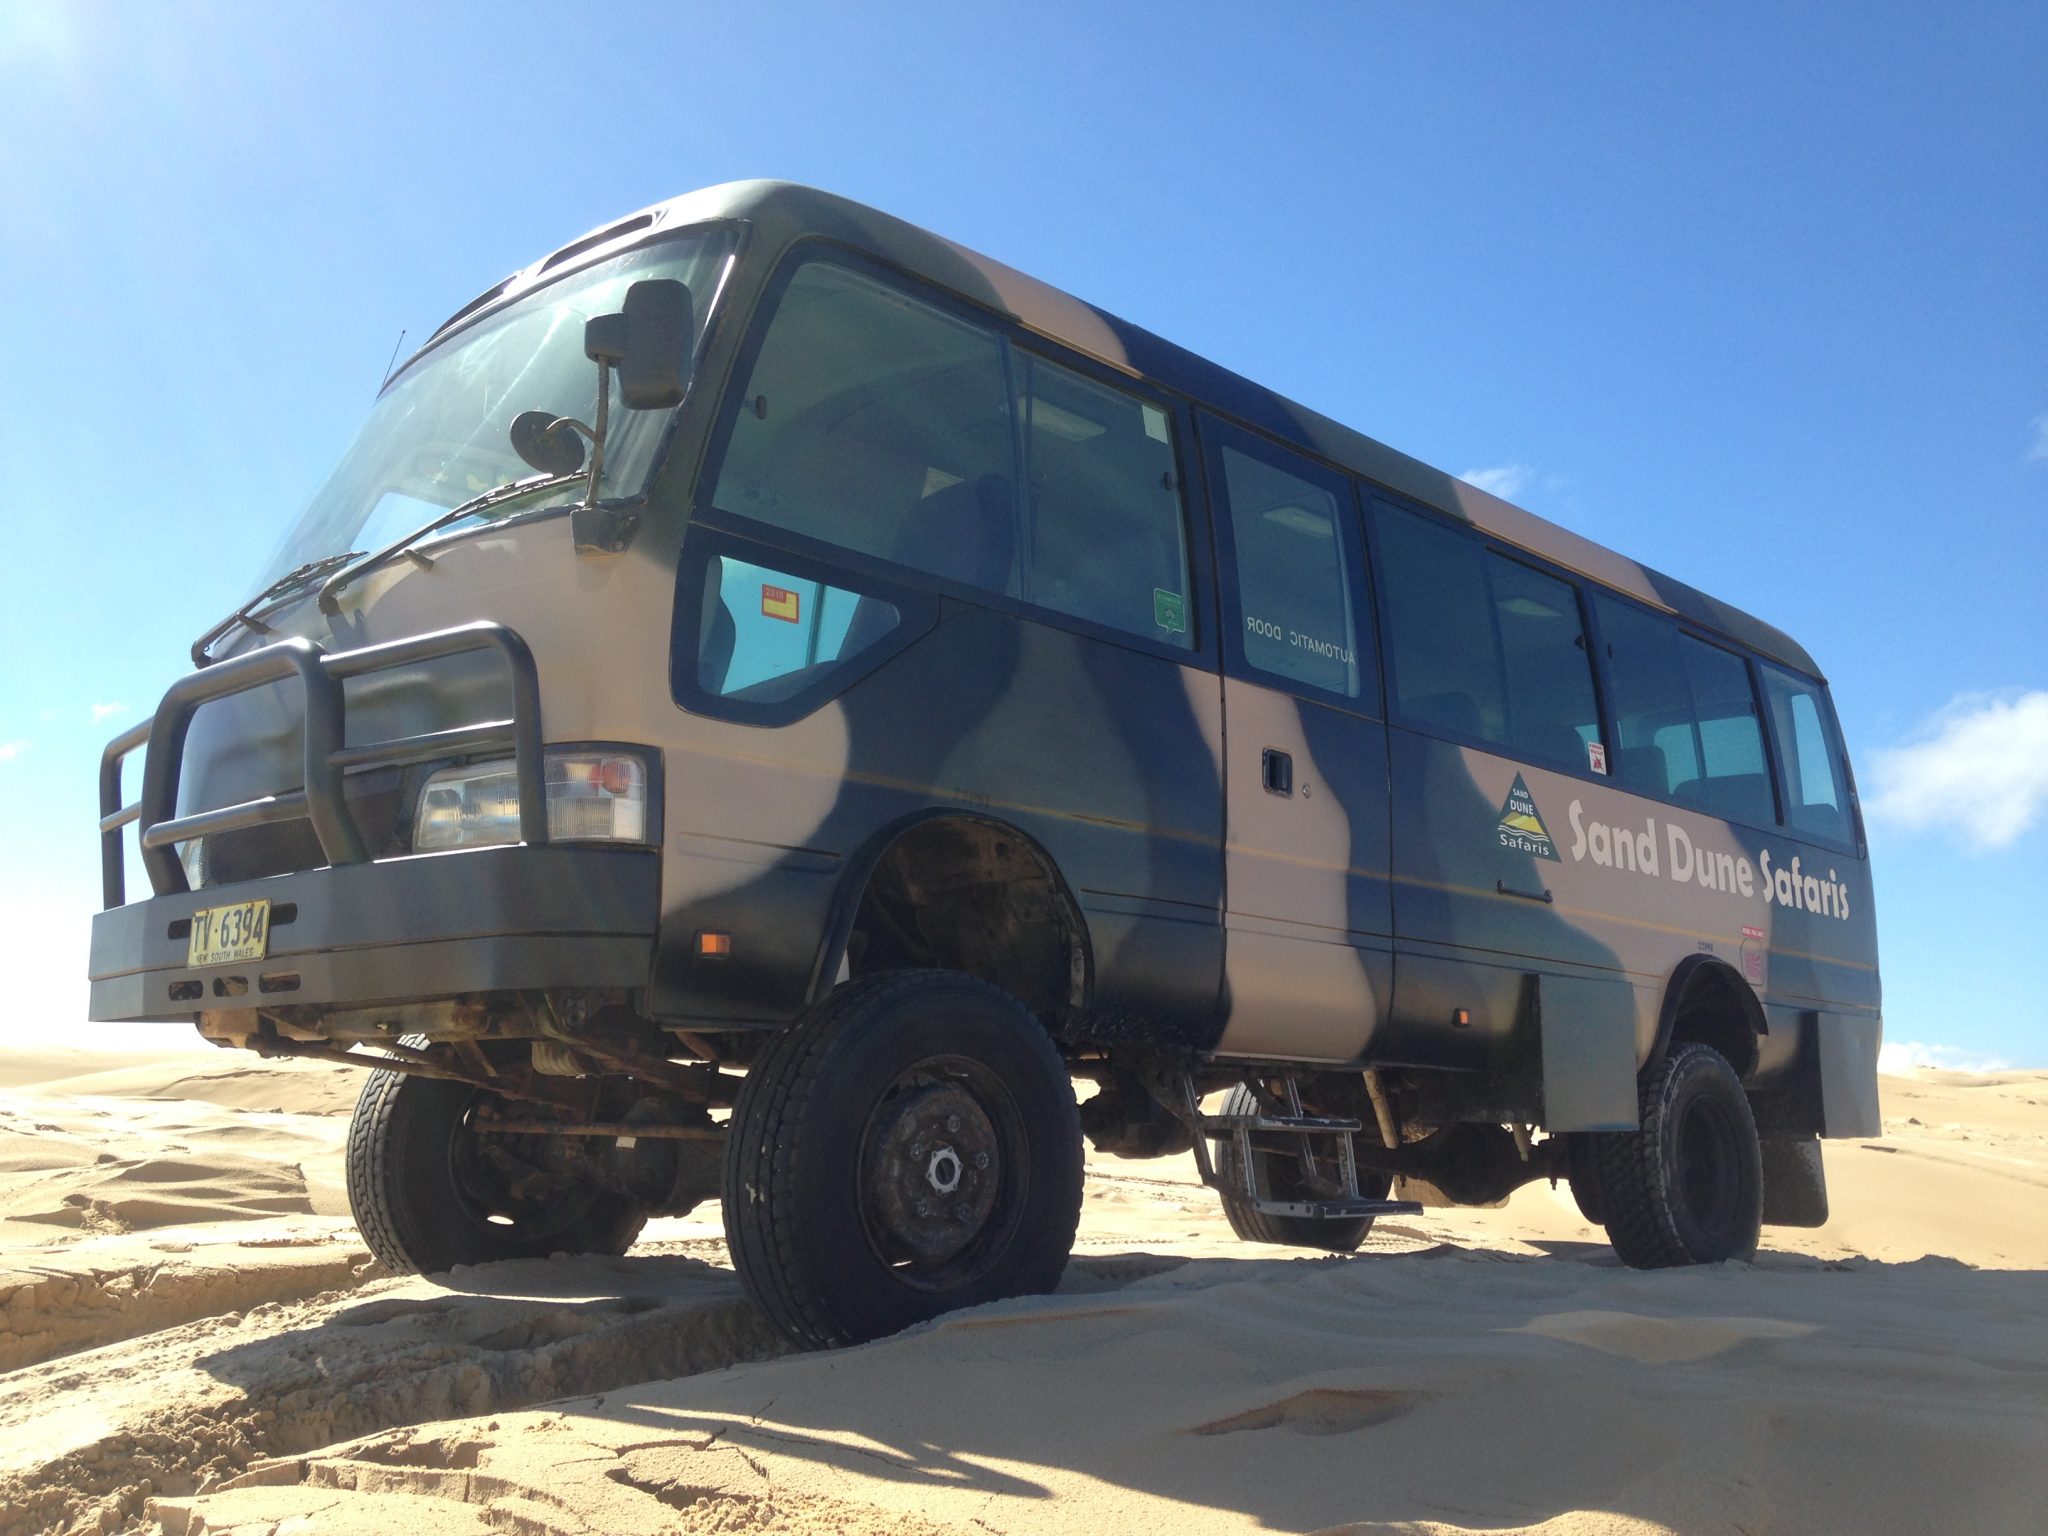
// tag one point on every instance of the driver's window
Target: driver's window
(879, 423)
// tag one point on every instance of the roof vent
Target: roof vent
(592, 242)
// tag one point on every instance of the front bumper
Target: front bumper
(401, 930)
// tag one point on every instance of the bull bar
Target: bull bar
(529, 915)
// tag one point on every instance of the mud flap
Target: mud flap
(1795, 1183)
(1588, 1033)
(1848, 1074)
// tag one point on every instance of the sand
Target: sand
(193, 1340)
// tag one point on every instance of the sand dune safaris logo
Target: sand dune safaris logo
(1521, 827)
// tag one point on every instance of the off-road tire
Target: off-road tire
(801, 1207)
(1279, 1177)
(1686, 1187)
(416, 1214)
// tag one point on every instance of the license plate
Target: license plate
(228, 935)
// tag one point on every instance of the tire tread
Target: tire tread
(1634, 1189)
(767, 1145)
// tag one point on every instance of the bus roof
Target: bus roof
(781, 212)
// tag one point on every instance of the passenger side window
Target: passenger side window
(1552, 715)
(1733, 782)
(1440, 641)
(1816, 782)
(1484, 646)
(1105, 533)
(1685, 722)
(1299, 571)
(765, 636)
(879, 423)
(1655, 747)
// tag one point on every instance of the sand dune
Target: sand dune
(193, 1340)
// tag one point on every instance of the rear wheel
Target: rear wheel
(911, 1145)
(1687, 1186)
(430, 1191)
(1282, 1179)
(1582, 1166)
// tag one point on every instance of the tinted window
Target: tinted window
(1104, 533)
(1484, 646)
(1298, 568)
(1551, 711)
(880, 424)
(1816, 784)
(1440, 641)
(1656, 748)
(766, 636)
(874, 421)
(1685, 721)
(1733, 781)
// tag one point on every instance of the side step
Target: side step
(1226, 1124)
(1337, 1210)
(1336, 1134)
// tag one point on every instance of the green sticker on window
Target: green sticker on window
(1169, 611)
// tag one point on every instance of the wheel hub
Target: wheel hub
(933, 1171)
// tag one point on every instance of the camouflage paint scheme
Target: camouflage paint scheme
(1343, 925)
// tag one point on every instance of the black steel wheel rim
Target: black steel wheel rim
(484, 1197)
(943, 1174)
(1709, 1180)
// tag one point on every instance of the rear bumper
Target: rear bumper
(401, 930)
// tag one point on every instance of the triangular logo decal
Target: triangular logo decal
(1521, 825)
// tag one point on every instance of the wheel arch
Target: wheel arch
(1010, 918)
(1706, 1001)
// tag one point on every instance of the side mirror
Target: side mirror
(548, 444)
(647, 342)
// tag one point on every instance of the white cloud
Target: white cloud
(10, 750)
(1978, 767)
(2040, 448)
(1506, 481)
(103, 711)
(1900, 1056)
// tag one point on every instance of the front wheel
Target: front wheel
(430, 1190)
(1687, 1186)
(911, 1145)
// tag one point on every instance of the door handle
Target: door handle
(1276, 771)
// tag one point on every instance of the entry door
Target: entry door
(1308, 964)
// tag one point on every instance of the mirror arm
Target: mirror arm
(604, 403)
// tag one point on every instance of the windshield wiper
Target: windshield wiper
(330, 591)
(245, 616)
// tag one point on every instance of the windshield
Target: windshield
(438, 434)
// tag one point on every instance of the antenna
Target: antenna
(394, 357)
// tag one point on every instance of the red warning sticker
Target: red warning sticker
(1596, 755)
(1753, 933)
(779, 603)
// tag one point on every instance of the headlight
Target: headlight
(592, 797)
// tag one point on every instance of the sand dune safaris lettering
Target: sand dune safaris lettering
(1639, 850)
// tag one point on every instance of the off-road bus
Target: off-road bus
(772, 700)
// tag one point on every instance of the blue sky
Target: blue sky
(1756, 294)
